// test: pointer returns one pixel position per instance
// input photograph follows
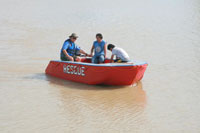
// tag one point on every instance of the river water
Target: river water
(166, 34)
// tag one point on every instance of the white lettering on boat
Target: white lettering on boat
(75, 70)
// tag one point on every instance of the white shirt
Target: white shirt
(120, 53)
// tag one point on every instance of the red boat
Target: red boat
(89, 73)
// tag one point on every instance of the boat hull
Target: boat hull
(107, 74)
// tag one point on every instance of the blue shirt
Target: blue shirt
(99, 48)
(70, 47)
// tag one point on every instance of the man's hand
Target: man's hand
(111, 59)
(90, 55)
(70, 58)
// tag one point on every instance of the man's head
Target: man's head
(99, 37)
(110, 47)
(73, 37)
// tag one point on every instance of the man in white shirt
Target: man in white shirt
(121, 55)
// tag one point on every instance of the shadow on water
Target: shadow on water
(81, 86)
(75, 85)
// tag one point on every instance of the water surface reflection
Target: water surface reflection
(101, 106)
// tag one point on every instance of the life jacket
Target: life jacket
(71, 50)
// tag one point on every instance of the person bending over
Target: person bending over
(121, 55)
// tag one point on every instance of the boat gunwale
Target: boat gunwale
(138, 63)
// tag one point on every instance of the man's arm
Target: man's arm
(83, 52)
(92, 50)
(64, 48)
(105, 50)
(68, 56)
(111, 59)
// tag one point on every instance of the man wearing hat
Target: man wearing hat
(69, 49)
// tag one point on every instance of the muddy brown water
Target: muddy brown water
(166, 34)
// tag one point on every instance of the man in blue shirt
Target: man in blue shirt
(100, 49)
(69, 49)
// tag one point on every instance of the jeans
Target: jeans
(98, 59)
